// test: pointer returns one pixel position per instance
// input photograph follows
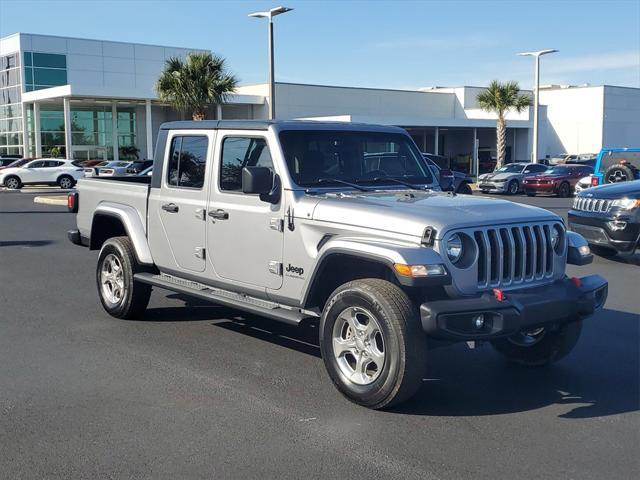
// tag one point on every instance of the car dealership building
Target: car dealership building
(92, 99)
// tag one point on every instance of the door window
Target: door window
(39, 164)
(240, 152)
(187, 161)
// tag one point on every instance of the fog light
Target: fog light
(616, 225)
(584, 250)
(478, 321)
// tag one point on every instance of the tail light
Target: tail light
(72, 202)
(595, 181)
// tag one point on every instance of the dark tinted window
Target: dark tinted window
(240, 152)
(537, 168)
(39, 164)
(187, 161)
(614, 158)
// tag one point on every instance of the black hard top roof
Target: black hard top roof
(278, 124)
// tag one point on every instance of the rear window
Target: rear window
(614, 158)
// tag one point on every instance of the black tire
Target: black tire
(552, 346)
(531, 194)
(485, 192)
(564, 190)
(618, 173)
(513, 187)
(66, 182)
(12, 183)
(134, 297)
(404, 342)
(465, 189)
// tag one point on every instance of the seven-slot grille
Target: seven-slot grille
(514, 254)
(586, 204)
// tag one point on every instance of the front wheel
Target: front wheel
(12, 183)
(513, 187)
(465, 189)
(540, 346)
(531, 194)
(372, 343)
(120, 295)
(564, 190)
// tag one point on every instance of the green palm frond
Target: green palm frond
(500, 97)
(200, 80)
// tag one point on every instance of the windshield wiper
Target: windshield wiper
(392, 179)
(343, 182)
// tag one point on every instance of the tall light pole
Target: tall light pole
(272, 84)
(536, 104)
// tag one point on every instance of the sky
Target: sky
(376, 43)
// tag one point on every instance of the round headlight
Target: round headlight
(556, 238)
(454, 247)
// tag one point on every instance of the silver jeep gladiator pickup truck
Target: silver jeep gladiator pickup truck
(345, 225)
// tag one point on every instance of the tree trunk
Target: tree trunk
(198, 115)
(501, 142)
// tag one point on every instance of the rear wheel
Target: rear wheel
(120, 295)
(66, 182)
(12, 183)
(540, 346)
(372, 343)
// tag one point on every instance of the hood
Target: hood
(548, 176)
(496, 176)
(410, 212)
(613, 190)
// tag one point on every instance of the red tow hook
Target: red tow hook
(576, 281)
(499, 294)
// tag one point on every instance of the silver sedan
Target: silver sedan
(508, 178)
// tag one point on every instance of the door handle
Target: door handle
(170, 207)
(219, 214)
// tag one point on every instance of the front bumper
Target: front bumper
(539, 187)
(493, 186)
(560, 302)
(596, 231)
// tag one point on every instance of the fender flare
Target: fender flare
(383, 251)
(133, 225)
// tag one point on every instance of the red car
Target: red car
(558, 180)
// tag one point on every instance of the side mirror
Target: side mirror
(261, 180)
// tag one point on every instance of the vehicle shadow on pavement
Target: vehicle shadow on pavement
(601, 377)
(627, 259)
(25, 243)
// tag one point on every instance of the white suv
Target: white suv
(42, 171)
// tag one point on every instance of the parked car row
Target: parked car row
(64, 172)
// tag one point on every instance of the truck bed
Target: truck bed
(130, 191)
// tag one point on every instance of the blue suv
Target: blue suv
(616, 165)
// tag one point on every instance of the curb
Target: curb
(57, 200)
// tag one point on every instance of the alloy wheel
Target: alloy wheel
(358, 345)
(112, 279)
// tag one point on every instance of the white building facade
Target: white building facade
(90, 99)
(95, 99)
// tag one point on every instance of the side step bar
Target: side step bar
(240, 301)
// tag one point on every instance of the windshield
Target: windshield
(19, 163)
(510, 168)
(558, 170)
(327, 157)
(613, 158)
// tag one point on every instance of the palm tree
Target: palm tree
(499, 98)
(195, 83)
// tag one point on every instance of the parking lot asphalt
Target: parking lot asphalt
(201, 391)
